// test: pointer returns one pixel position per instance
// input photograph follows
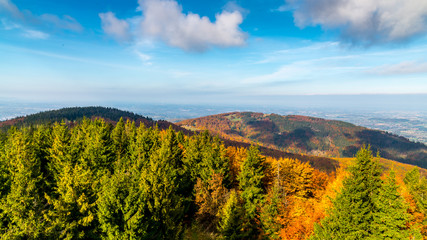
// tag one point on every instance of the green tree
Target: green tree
(252, 186)
(98, 152)
(391, 218)
(160, 180)
(354, 208)
(73, 213)
(231, 226)
(270, 213)
(24, 205)
(122, 207)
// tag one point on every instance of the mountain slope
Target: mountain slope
(309, 135)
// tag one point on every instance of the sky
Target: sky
(188, 51)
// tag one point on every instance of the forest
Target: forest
(98, 180)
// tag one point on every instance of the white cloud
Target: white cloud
(66, 22)
(165, 21)
(403, 68)
(35, 34)
(364, 21)
(27, 22)
(117, 28)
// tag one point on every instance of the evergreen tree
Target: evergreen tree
(73, 213)
(59, 151)
(354, 209)
(5, 180)
(24, 205)
(122, 207)
(252, 186)
(143, 144)
(391, 218)
(160, 180)
(120, 141)
(98, 149)
(231, 226)
(270, 213)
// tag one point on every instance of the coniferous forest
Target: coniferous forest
(96, 180)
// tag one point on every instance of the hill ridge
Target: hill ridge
(309, 135)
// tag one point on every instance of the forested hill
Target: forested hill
(74, 114)
(308, 135)
(71, 114)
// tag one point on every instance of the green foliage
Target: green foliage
(160, 180)
(122, 207)
(251, 181)
(23, 207)
(391, 218)
(231, 225)
(270, 213)
(252, 186)
(366, 208)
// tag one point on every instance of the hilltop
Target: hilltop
(309, 135)
(72, 115)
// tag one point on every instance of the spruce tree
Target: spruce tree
(24, 205)
(391, 218)
(270, 213)
(355, 207)
(160, 180)
(252, 186)
(121, 207)
(231, 226)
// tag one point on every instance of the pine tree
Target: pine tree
(5, 180)
(97, 154)
(73, 213)
(60, 150)
(231, 226)
(391, 218)
(252, 186)
(120, 141)
(24, 205)
(270, 213)
(160, 180)
(353, 209)
(121, 207)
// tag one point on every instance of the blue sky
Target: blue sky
(203, 51)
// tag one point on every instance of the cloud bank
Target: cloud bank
(164, 20)
(364, 22)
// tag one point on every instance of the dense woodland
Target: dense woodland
(96, 180)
